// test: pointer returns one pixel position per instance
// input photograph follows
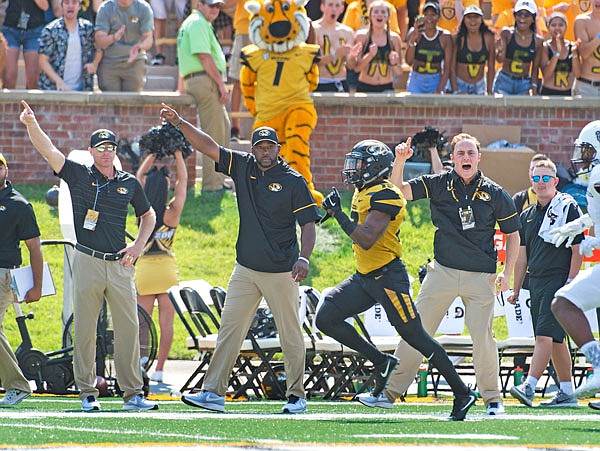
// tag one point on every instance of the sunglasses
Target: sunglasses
(545, 178)
(106, 148)
(523, 14)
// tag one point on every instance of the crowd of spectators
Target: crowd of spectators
(525, 47)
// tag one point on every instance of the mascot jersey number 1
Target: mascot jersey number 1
(278, 71)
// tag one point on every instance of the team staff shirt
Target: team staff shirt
(113, 197)
(387, 198)
(471, 249)
(545, 259)
(17, 223)
(274, 93)
(197, 35)
(269, 203)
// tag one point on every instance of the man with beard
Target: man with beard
(271, 199)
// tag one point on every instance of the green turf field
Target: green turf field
(57, 421)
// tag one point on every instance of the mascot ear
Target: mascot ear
(252, 6)
(300, 3)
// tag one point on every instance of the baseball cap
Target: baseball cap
(526, 5)
(264, 134)
(473, 9)
(102, 136)
(433, 5)
(3, 160)
(212, 2)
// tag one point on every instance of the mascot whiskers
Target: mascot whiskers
(279, 71)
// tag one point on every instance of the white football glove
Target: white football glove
(587, 246)
(569, 231)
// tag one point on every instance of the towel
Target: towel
(556, 215)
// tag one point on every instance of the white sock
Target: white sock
(566, 387)
(531, 381)
(592, 351)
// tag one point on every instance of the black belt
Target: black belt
(515, 77)
(194, 74)
(589, 82)
(101, 255)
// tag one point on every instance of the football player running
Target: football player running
(377, 212)
(583, 293)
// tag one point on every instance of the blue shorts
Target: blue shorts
(422, 83)
(28, 39)
(463, 87)
(510, 86)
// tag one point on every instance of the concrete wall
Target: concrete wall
(548, 125)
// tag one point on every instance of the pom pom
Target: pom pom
(164, 140)
(427, 138)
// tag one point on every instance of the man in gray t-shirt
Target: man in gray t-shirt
(124, 31)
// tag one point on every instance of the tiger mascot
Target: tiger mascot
(278, 71)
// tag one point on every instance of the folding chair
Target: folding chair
(337, 371)
(518, 348)
(458, 347)
(255, 360)
(201, 324)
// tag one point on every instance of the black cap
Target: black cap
(264, 134)
(434, 5)
(102, 136)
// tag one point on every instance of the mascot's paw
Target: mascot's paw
(317, 196)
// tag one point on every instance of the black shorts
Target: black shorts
(542, 290)
(388, 285)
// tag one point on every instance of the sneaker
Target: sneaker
(383, 371)
(561, 399)
(594, 405)
(590, 387)
(369, 400)
(13, 397)
(235, 135)
(206, 400)
(294, 405)
(138, 402)
(158, 60)
(495, 409)
(157, 376)
(462, 404)
(524, 393)
(88, 404)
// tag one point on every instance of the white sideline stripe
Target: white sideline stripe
(112, 431)
(200, 414)
(449, 436)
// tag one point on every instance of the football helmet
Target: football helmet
(587, 148)
(367, 161)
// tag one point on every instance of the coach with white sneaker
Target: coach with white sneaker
(17, 223)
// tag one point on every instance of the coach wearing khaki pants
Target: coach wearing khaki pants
(465, 207)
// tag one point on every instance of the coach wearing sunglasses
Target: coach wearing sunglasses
(549, 269)
(103, 262)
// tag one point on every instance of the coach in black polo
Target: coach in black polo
(271, 199)
(103, 262)
(465, 207)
